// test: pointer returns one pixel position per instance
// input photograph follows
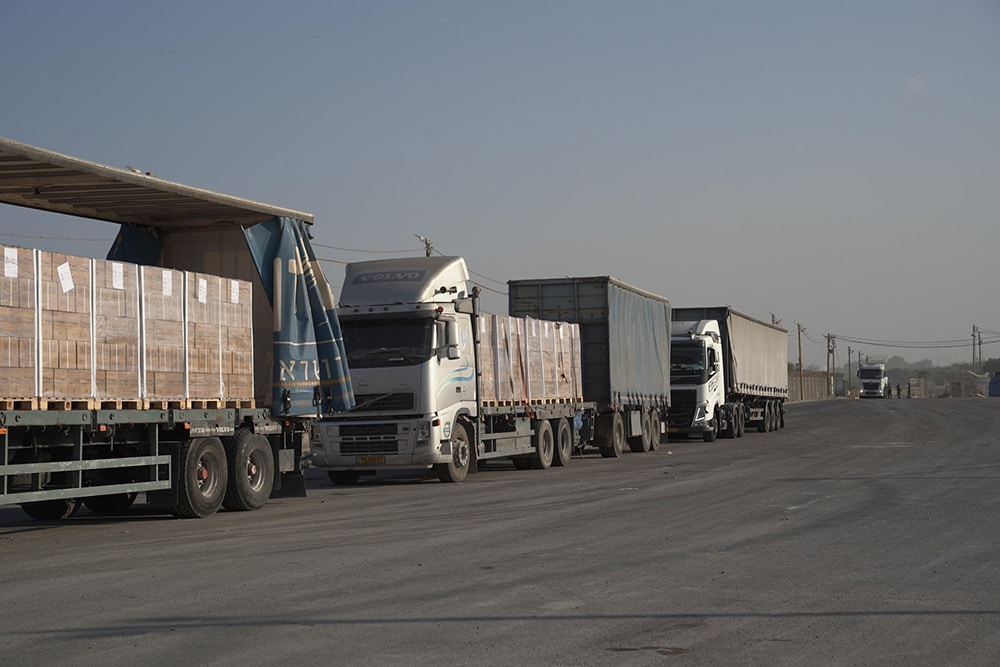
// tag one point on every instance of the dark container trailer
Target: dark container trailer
(625, 344)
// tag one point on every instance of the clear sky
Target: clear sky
(834, 163)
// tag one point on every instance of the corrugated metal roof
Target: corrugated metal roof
(45, 180)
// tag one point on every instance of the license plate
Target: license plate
(673, 429)
(369, 460)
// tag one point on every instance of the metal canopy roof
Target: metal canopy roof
(49, 181)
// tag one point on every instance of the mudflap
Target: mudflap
(290, 485)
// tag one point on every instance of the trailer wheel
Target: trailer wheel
(344, 477)
(251, 472)
(762, 425)
(461, 457)
(614, 436)
(51, 510)
(116, 503)
(640, 443)
(780, 407)
(544, 445)
(201, 478)
(740, 416)
(564, 442)
(655, 430)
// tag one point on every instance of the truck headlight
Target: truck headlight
(701, 414)
(423, 431)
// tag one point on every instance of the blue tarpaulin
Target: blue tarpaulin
(135, 245)
(310, 364)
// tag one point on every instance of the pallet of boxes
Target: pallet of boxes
(89, 334)
(529, 362)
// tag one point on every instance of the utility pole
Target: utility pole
(829, 375)
(979, 332)
(850, 377)
(800, 360)
(428, 246)
(973, 348)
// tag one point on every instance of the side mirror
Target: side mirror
(451, 339)
(465, 306)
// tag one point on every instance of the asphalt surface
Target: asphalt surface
(864, 533)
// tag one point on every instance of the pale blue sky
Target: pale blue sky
(835, 163)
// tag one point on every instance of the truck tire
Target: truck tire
(655, 430)
(713, 433)
(780, 407)
(729, 413)
(116, 503)
(344, 477)
(564, 442)
(740, 416)
(613, 431)
(251, 472)
(544, 445)
(640, 444)
(461, 457)
(762, 425)
(521, 462)
(201, 478)
(51, 510)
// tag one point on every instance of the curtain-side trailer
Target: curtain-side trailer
(728, 370)
(186, 366)
(625, 340)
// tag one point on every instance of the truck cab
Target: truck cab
(407, 327)
(697, 379)
(874, 381)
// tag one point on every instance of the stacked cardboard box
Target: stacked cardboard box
(65, 354)
(116, 331)
(236, 339)
(163, 334)
(204, 337)
(17, 324)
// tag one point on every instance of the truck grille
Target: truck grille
(682, 404)
(380, 402)
(363, 439)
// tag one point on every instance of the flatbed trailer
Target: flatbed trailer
(195, 454)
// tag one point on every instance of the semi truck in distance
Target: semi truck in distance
(874, 381)
(625, 340)
(440, 385)
(728, 370)
(187, 366)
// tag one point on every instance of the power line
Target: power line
(55, 238)
(374, 252)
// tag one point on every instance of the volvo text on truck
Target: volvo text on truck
(187, 365)
(728, 370)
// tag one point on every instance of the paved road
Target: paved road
(865, 533)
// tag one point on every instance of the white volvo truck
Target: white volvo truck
(440, 385)
(727, 370)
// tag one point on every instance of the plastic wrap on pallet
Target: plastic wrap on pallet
(236, 339)
(204, 332)
(116, 331)
(17, 324)
(163, 334)
(488, 358)
(65, 355)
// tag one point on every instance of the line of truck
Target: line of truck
(406, 372)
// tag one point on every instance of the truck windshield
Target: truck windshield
(687, 361)
(870, 374)
(388, 342)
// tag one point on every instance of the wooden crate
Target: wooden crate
(65, 355)
(17, 324)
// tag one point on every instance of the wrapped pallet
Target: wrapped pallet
(488, 359)
(17, 325)
(236, 340)
(204, 337)
(65, 355)
(116, 332)
(163, 337)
